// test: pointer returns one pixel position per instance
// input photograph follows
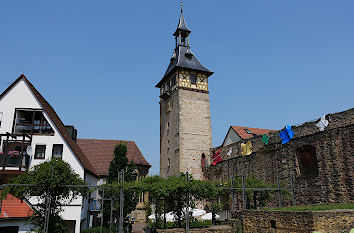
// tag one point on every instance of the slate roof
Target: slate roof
(100, 153)
(13, 207)
(182, 25)
(240, 130)
(57, 122)
(183, 56)
(190, 62)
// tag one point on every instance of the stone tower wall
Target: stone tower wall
(169, 137)
(185, 127)
(194, 130)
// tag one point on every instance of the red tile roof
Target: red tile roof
(57, 122)
(244, 135)
(13, 207)
(100, 153)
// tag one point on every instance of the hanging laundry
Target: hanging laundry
(229, 153)
(323, 123)
(265, 139)
(286, 134)
(246, 148)
(217, 158)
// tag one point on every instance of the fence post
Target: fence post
(187, 206)
(243, 191)
(164, 213)
(279, 192)
(102, 211)
(47, 206)
(111, 217)
(293, 190)
(232, 193)
(121, 195)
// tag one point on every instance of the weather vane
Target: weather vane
(181, 6)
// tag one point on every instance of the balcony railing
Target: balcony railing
(13, 159)
(13, 151)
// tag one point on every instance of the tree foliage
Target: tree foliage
(48, 179)
(118, 163)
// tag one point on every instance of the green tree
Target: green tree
(118, 163)
(174, 191)
(48, 179)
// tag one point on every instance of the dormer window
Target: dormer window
(31, 121)
(193, 80)
(248, 131)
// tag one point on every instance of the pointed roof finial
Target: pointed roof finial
(182, 25)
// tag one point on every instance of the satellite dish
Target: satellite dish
(29, 150)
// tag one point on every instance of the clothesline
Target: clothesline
(285, 135)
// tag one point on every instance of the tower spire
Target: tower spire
(181, 6)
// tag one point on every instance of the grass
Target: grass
(341, 206)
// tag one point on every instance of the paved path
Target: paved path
(138, 227)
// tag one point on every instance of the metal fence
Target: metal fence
(278, 189)
(97, 188)
(102, 190)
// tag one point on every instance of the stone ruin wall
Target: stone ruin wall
(334, 152)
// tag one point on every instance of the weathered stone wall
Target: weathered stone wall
(295, 221)
(169, 137)
(219, 229)
(194, 130)
(334, 152)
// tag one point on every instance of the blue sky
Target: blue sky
(276, 62)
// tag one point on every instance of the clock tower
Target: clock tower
(185, 127)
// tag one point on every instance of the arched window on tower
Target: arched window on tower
(307, 161)
(203, 161)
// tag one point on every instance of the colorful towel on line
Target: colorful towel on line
(217, 158)
(323, 123)
(265, 139)
(246, 149)
(286, 134)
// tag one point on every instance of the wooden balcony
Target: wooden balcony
(13, 156)
(13, 161)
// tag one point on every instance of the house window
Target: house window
(31, 121)
(193, 79)
(0, 118)
(39, 152)
(307, 160)
(57, 151)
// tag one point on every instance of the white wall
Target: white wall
(23, 227)
(20, 96)
(231, 137)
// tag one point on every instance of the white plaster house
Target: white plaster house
(23, 110)
(28, 121)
